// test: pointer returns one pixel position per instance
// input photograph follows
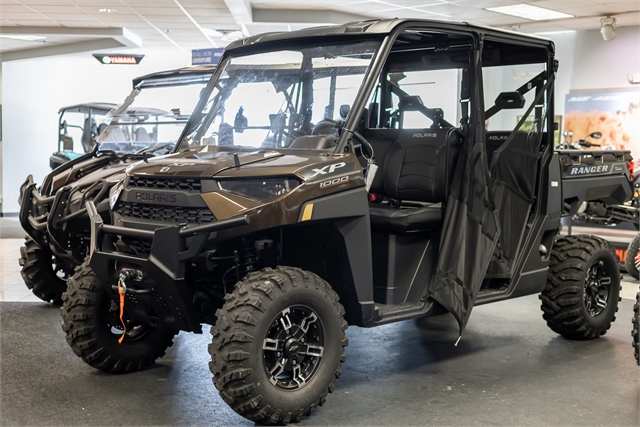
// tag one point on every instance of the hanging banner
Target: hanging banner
(616, 114)
(118, 58)
(206, 56)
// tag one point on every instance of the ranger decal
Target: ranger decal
(586, 170)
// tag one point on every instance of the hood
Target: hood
(111, 173)
(230, 164)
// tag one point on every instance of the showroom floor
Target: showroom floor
(509, 369)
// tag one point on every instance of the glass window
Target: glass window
(268, 100)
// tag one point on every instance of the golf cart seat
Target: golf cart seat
(415, 172)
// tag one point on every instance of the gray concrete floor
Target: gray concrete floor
(509, 369)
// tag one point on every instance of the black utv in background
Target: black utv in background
(54, 215)
(85, 122)
(280, 222)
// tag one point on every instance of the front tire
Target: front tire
(44, 274)
(632, 262)
(581, 296)
(278, 344)
(90, 319)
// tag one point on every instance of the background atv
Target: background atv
(84, 122)
(272, 223)
(54, 216)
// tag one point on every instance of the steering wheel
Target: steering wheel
(326, 126)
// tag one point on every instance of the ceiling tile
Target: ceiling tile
(19, 15)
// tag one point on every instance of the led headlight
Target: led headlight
(259, 188)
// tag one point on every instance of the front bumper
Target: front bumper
(44, 218)
(162, 295)
(34, 211)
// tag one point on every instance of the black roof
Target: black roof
(96, 107)
(382, 27)
(176, 77)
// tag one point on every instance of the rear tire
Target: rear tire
(278, 344)
(45, 275)
(632, 262)
(635, 333)
(90, 318)
(582, 292)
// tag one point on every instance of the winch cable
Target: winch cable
(122, 290)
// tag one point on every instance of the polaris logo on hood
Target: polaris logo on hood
(156, 197)
(586, 170)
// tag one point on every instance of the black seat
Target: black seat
(417, 167)
(405, 219)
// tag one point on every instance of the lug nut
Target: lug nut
(302, 339)
(279, 354)
(294, 363)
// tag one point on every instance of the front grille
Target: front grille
(178, 214)
(185, 184)
(139, 247)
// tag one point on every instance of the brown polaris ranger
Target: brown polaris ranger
(359, 174)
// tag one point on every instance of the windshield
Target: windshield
(272, 99)
(150, 119)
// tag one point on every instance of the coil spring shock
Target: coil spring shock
(249, 257)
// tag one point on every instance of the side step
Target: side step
(389, 313)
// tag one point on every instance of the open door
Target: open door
(471, 229)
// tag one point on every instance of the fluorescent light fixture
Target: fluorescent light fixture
(108, 10)
(23, 38)
(527, 11)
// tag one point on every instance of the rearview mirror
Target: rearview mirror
(596, 135)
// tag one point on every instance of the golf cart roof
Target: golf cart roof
(176, 77)
(95, 107)
(383, 27)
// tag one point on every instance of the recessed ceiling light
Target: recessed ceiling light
(108, 10)
(24, 38)
(527, 11)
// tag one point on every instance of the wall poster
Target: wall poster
(616, 114)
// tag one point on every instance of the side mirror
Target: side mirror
(510, 101)
(596, 135)
(63, 127)
(344, 110)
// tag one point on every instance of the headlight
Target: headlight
(115, 194)
(259, 189)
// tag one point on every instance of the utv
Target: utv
(280, 222)
(54, 216)
(83, 125)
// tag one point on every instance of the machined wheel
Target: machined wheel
(278, 345)
(597, 289)
(44, 274)
(91, 321)
(581, 296)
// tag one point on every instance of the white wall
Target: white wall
(33, 91)
(565, 53)
(603, 65)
